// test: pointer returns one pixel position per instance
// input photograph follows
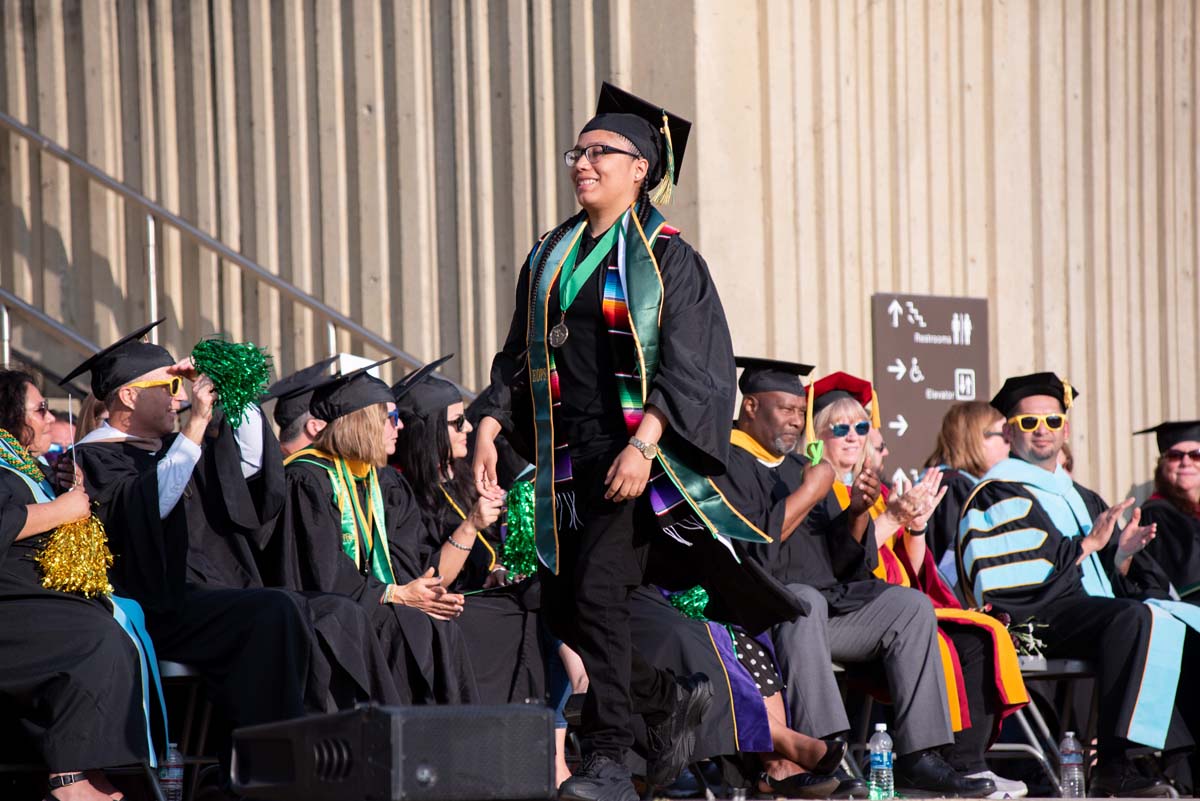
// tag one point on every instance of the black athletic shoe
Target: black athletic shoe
(1122, 779)
(928, 775)
(599, 778)
(672, 742)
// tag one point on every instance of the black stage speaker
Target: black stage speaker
(393, 753)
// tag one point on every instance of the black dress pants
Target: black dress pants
(974, 647)
(586, 605)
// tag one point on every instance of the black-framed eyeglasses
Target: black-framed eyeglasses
(592, 153)
(458, 423)
(394, 417)
(862, 427)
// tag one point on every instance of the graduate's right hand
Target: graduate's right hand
(74, 505)
(484, 467)
(864, 492)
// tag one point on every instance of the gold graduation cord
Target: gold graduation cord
(478, 534)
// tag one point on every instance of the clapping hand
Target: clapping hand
(912, 509)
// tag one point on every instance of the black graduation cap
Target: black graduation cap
(288, 410)
(771, 375)
(420, 392)
(660, 136)
(1020, 387)
(122, 362)
(1169, 434)
(347, 393)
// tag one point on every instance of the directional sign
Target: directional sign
(930, 353)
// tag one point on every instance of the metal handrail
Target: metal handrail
(208, 242)
(48, 324)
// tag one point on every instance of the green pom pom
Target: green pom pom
(520, 546)
(691, 602)
(239, 372)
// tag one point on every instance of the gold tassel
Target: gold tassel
(875, 409)
(77, 559)
(662, 193)
(1068, 398)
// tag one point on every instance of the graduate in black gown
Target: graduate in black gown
(71, 681)
(352, 528)
(461, 539)
(1035, 544)
(617, 380)
(186, 513)
(1175, 506)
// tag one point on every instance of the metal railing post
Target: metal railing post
(331, 338)
(5, 348)
(152, 274)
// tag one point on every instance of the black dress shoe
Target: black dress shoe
(672, 742)
(1120, 778)
(599, 778)
(801, 785)
(849, 787)
(835, 750)
(927, 775)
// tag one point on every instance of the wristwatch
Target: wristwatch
(647, 449)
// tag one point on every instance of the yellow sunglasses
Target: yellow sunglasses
(1030, 422)
(173, 384)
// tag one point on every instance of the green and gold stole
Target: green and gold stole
(356, 520)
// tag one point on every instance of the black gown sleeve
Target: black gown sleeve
(943, 523)
(149, 553)
(696, 379)
(13, 514)
(307, 546)
(234, 504)
(507, 396)
(1176, 546)
(410, 543)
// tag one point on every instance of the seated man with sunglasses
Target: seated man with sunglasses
(185, 513)
(820, 552)
(1036, 545)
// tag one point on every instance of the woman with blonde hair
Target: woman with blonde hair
(970, 443)
(982, 676)
(346, 528)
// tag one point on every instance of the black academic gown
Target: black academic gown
(307, 554)
(500, 624)
(1176, 546)
(943, 523)
(1033, 574)
(70, 681)
(206, 605)
(821, 552)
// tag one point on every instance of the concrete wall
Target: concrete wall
(398, 158)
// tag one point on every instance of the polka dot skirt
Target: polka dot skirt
(755, 659)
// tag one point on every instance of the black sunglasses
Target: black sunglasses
(458, 423)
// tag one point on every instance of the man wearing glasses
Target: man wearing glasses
(1034, 544)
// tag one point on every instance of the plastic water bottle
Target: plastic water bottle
(879, 783)
(170, 774)
(1070, 766)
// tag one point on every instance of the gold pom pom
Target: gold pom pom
(77, 559)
